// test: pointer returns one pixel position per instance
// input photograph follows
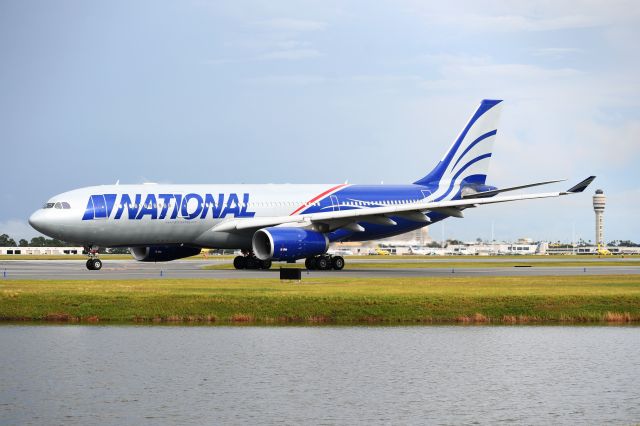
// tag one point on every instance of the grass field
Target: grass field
(573, 299)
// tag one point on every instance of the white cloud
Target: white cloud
(296, 25)
(510, 23)
(288, 80)
(290, 54)
(496, 71)
(614, 145)
(278, 39)
(533, 16)
(291, 44)
(220, 61)
(386, 78)
(556, 52)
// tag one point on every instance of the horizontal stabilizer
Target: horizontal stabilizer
(511, 188)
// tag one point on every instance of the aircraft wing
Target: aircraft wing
(412, 211)
(484, 194)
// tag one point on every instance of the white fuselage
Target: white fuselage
(150, 214)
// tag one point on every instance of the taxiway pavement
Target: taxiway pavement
(131, 270)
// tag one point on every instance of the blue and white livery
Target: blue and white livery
(280, 222)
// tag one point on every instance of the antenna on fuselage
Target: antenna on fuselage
(118, 182)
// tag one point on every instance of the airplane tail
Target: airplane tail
(467, 160)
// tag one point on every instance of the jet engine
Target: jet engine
(288, 244)
(162, 253)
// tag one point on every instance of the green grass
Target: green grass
(335, 300)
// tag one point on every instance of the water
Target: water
(318, 375)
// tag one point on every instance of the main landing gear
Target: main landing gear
(324, 262)
(93, 264)
(249, 261)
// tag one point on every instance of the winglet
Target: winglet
(581, 186)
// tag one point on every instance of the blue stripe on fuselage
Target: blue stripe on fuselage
(366, 196)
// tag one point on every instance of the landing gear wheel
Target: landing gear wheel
(94, 264)
(310, 263)
(253, 262)
(322, 263)
(337, 262)
(240, 262)
(265, 264)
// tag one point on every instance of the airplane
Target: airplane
(275, 222)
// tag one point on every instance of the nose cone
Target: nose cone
(38, 221)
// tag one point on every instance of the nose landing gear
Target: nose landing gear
(93, 264)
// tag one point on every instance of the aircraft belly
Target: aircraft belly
(222, 240)
(123, 233)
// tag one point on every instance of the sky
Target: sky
(323, 92)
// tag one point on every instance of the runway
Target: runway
(130, 269)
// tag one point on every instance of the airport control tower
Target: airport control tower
(599, 201)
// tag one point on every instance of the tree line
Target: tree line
(7, 241)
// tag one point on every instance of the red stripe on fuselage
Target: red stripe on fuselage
(313, 200)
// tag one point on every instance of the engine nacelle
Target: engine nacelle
(288, 243)
(162, 253)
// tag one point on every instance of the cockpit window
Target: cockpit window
(59, 205)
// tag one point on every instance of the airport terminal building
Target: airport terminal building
(39, 251)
